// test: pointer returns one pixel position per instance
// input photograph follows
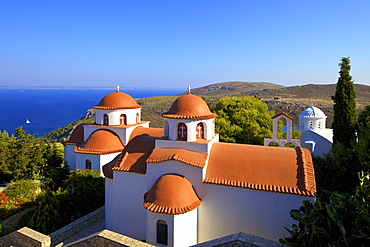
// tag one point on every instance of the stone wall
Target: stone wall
(76, 226)
(240, 239)
(25, 237)
(109, 239)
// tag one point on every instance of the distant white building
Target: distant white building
(180, 186)
(315, 136)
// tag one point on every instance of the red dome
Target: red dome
(101, 141)
(189, 106)
(171, 194)
(117, 100)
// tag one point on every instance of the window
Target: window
(162, 232)
(137, 118)
(105, 119)
(200, 131)
(319, 125)
(88, 164)
(311, 125)
(182, 132)
(123, 119)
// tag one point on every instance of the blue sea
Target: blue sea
(50, 109)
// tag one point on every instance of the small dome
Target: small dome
(312, 112)
(101, 141)
(171, 194)
(189, 106)
(117, 100)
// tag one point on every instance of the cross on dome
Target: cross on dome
(189, 88)
(118, 87)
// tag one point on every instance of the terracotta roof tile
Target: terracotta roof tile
(189, 106)
(117, 100)
(284, 114)
(171, 194)
(77, 135)
(101, 141)
(275, 169)
(183, 155)
(141, 144)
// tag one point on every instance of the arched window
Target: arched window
(311, 125)
(182, 132)
(200, 131)
(88, 164)
(137, 118)
(105, 119)
(162, 232)
(123, 119)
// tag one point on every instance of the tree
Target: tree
(243, 119)
(47, 218)
(345, 116)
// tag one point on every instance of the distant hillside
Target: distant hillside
(292, 100)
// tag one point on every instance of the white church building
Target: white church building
(180, 186)
(315, 136)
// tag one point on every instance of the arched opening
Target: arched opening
(182, 132)
(166, 128)
(123, 119)
(162, 232)
(289, 145)
(88, 164)
(274, 144)
(200, 131)
(105, 119)
(137, 118)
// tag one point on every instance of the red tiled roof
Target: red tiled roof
(284, 114)
(117, 100)
(275, 169)
(189, 106)
(141, 144)
(179, 154)
(171, 194)
(77, 135)
(101, 141)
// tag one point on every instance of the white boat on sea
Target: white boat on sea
(27, 121)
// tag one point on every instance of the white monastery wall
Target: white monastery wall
(320, 145)
(151, 227)
(191, 128)
(69, 156)
(127, 214)
(185, 229)
(114, 116)
(226, 210)
(81, 161)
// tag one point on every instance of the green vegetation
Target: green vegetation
(341, 214)
(345, 116)
(243, 120)
(83, 194)
(343, 221)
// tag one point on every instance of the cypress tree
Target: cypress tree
(345, 116)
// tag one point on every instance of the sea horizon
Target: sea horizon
(40, 111)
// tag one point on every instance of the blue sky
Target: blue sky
(170, 44)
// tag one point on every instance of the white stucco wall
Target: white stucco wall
(114, 116)
(97, 161)
(185, 229)
(322, 144)
(69, 156)
(191, 125)
(151, 228)
(226, 210)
